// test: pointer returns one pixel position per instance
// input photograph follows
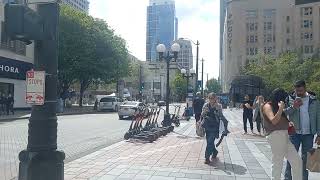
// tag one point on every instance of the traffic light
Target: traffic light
(23, 23)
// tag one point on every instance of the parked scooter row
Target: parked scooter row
(150, 131)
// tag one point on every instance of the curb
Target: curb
(58, 114)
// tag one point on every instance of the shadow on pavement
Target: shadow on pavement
(228, 168)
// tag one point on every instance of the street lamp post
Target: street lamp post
(161, 49)
(188, 74)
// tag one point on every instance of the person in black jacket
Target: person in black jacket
(198, 103)
(9, 104)
(212, 115)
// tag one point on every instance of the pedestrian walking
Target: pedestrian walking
(247, 106)
(303, 110)
(2, 104)
(198, 103)
(9, 104)
(257, 117)
(276, 127)
(212, 115)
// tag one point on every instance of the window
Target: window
(267, 26)
(269, 50)
(251, 13)
(288, 18)
(288, 41)
(267, 38)
(308, 49)
(307, 11)
(268, 13)
(307, 36)
(252, 27)
(252, 51)
(307, 24)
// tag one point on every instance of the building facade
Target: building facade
(270, 27)
(162, 26)
(185, 56)
(82, 5)
(15, 59)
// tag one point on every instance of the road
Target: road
(78, 135)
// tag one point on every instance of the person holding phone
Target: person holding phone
(247, 106)
(276, 126)
(303, 110)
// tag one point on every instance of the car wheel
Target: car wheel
(120, 117)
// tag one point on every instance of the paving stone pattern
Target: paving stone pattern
(180, 156)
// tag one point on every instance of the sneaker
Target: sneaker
(245, 133)
(252, 132)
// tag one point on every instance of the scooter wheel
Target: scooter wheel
(127, 136)
(177, 124)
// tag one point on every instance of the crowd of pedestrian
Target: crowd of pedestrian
(288, 121)
(6, 104)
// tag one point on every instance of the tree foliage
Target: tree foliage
(179, 87)
(213, 85)
(89, 51)
(283, 71)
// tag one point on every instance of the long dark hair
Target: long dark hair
(276, 96)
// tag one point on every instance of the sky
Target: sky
(198, 20)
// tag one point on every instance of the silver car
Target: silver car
(128, 108)
(109, 103)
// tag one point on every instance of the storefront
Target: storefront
(12, 80)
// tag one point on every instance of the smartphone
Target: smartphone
(299, 99)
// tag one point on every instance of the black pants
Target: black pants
(258, 121)
(9, 108)
(247, 117)
(197, 116)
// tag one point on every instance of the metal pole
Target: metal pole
(197, 67)
(41, 160)
(187, 89)
(166, 120)
(202, 89)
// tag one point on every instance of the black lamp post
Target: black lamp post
(41, 160)
(161, 49)
(188, 74)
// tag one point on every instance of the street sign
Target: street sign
(35, 87)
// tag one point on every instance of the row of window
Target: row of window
(267, 13)
(308, 49)
(267, 26)
(267, 38)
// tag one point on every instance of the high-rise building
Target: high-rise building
(270, 27)
(82, 5)
(162, 26)
(185, 56)
(223, 6)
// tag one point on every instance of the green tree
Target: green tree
(179, 87)
(89, 51)
(213, 85)
(283, 71)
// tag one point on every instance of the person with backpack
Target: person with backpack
(212, 115)
(198, 103)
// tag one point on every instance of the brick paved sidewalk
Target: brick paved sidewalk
(179, 156)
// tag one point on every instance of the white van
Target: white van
(109, 103)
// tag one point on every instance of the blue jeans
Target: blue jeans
(211, 148)
(306, 142)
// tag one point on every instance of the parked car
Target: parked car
(109, 103)
(161, 103)
(128, 109)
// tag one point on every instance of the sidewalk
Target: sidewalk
(25, 114)
(179, 156)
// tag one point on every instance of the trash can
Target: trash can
(59, 106)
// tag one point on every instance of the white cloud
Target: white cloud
(198, 20)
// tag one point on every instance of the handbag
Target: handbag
(199, 128)
(313, 160)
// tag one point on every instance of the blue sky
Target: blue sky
(198, 20)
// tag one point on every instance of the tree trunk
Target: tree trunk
(84, 84)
